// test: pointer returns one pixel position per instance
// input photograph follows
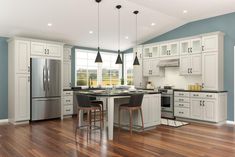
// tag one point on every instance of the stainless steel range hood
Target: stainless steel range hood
(169, 63)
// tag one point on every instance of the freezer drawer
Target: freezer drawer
(45, 108)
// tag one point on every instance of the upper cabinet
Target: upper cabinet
(44, 49)
(190, 46)
(67, 54)
(210, 43)
(22, 52)
(67, 67)
(150, 68)
(151, 51)
(169, 49)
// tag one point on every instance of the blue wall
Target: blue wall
(224, 23)
(3, 78)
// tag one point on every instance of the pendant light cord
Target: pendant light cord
(118, 31)
(136, 31)
(98, 25)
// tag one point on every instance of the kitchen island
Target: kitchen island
(151, 106)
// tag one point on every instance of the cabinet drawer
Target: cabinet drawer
(181, 99)
(68, 110)
(181, 104)
(68, 100)
(203, 95)
(182, 112)
(181, 94)
(67, 93)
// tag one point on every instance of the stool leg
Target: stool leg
(77, 125)
(89, 124)
(130, 121)
(102, 112)
(142, 118)
(94, 116)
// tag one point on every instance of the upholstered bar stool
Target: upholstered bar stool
(84, 104)
(133, 105)
(96, 102)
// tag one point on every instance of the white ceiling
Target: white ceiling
(73, 19)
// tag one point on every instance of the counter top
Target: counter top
(202, 91)
(113, 93)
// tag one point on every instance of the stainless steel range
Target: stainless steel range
(167, 103)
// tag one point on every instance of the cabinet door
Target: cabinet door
(54, 50)
(146, 68)
(184, 47)
(22, 95)
(185, 64)
(209, 71)
(67, 54)
(147, 52)
(67, 75)
(173, 48)
(38, 49)
(210, 43)
(154, 67)
(22, 57)
(155, 51)
(196, 109)
(196, 45)
(145, 110)
(164, 50)
(196, 64)
(209, 110)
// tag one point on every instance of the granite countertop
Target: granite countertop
(111, 93)
(203, 91)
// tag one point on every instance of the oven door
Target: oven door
(167, 102)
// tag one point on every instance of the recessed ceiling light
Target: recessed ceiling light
(153, 24)
(90, 32)
(49, 24)
(126, 37)
(185, 11)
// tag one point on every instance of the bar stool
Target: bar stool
(133, 105)
(84, 104)
(95, 102)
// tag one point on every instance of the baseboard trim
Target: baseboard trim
(230, 122)
(3, 121)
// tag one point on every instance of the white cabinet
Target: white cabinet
(138, 79)
(191, 64)
(67, 68)
(210, 43)
(210, 71)
(150, 68)
(182, 104)
(46, 49)
(151, 51)
(68, 107)
(22, 52)
(22, 95)
(169, 49)
(190, 46)
(196, 109)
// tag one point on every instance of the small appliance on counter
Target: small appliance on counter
(149, 85)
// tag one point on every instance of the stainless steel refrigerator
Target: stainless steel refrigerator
(45, 89)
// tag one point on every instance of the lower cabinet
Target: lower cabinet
(210, 107)
(151, 108)
(68, 103)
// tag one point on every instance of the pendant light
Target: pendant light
(98, 58)
(119, 60)
(136, 61)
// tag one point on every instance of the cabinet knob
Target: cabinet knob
(202, 48)
(48, 51)
(45, 51)
(202, 85)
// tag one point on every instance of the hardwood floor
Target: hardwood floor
(56, 139)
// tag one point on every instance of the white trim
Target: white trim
(234, 87)
(2, 121)
(230, 122)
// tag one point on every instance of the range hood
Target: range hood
(169, 63)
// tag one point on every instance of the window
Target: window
(105, 74)
(128, 68)
(86, 69)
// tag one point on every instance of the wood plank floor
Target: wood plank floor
(56, 138)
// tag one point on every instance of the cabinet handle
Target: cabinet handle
(67, 109)
(191, 49)
(28, 68)
(67, 100)
(202, 48)
(200, 103)
(48, 51)
(202, 85)
(203, 103)
(70, 84)
(188, 50)
(28, 78)
(181, 99)
(188, 70)
(181, 104)
(191, 70)
(45, 51)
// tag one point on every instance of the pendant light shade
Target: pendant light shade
(119, 59)
(136, 61)
(98, 58)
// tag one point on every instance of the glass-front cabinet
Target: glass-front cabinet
(151, 51)
(169, 49)
(191, 46)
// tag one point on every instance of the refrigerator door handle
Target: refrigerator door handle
(48, 79)
(44, 78)
(47, 99)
